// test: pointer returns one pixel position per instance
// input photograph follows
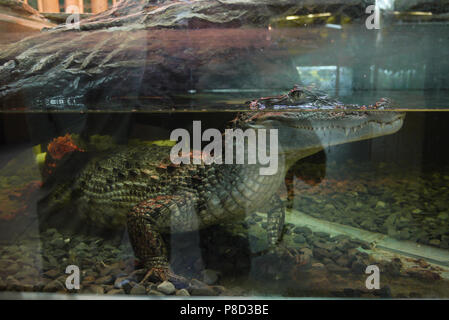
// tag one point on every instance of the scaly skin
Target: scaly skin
(155, 197)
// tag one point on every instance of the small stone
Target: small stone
(119, 282)
(417, 211)
(166, 287)
(198, 288)
(210, 276)
(299, 238)
(321, 253)
(350, 292)
(336, 268)
(58, 243)
(444, 244)
(443, 216)
(380, 205)
(2, 285)
(52, 274)
(203, 291)
(105, 280)
(116, 291)
(323, 235)
(344, 261)
(323, 245)
(89, 279)
(138, 290)
(220, 290)
(434, 242)
(51, 231)
(155, 293)
(302, 230)
(318, 265)
(54, 286)
(358, 267)
(182, 292)
(94, 289)
(123, 283)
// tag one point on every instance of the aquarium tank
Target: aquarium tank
(176, 149)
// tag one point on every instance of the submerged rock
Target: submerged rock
(166, 287)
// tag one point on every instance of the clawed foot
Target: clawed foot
(160, 274)
(276, 261)
(156, 273)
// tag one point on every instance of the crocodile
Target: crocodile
(140, 187)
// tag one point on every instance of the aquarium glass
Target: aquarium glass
(224, 149)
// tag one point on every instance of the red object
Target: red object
(60, 146)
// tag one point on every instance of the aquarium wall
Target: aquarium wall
(176, 149)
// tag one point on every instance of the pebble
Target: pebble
(299, 238)
(302, 230)
(435, 242)
(203, 291)
(380, 204)
(336, 268)
(318, 265)
(116, 291)
(443, 216)
(94, 289)
(54, 286)
(120, 282)
(166, 287)
(58, 243)
(155, 293)
(105, 280)
(198, 288)
(344, 261)
(358, 267)
(210, 276)
(138, 290)
(182, 292)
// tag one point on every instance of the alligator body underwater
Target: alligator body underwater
(135, 185)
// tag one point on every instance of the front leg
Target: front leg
(275, 221)
(146, 239)
(145, 224)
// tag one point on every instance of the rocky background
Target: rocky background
(316, 265)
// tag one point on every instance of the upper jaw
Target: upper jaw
(320, 119)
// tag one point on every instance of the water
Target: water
(380, 201)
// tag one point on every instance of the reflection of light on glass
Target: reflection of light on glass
(231, 90)
(333, 26)
(414, 13)
(327, 78)
(312, 15)
(319, 15)
(385, 4)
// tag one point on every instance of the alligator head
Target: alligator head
(308, 121)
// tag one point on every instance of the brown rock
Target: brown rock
(93, 289)
(54, 286)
